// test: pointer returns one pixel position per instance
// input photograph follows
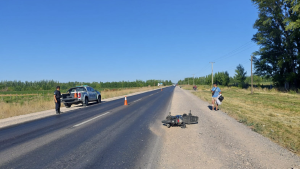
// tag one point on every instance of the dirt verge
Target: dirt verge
(217, 141)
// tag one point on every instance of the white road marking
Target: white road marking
(90, 120)
(150, 94)
(137, 100)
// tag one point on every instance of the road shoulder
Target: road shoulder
(217, 141)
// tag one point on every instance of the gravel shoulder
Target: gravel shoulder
(217, 141)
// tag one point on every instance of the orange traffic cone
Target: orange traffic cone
(75, 95)
(125, 101)
(161, 89)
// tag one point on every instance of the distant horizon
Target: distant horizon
(83, 81)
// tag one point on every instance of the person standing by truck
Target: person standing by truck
(215, 93)
(57, 96)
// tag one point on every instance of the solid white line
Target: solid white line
(90, 120)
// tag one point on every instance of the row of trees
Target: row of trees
(222, 78)
(278, 35)
(51, 84)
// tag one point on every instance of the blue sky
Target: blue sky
(114, 40)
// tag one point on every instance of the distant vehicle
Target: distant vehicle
(180, 120)
(160, 84)
(80, 94)
(195, 87)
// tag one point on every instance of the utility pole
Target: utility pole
(193, 79)
(188, 81)
(212, 73)
(251, 76)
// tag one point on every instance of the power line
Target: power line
(212, 73)
(235, 67)
(244, 45)
(251, 75)
(241, 51)
(193, 79)
(233, 53)
(243, 62)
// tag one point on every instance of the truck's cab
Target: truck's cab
(80, 94)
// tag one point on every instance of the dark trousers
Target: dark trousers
(57, 106)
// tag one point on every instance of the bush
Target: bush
(292, 92)
(258, 85)
(240, 85)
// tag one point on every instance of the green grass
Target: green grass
(51, 91)
(26, 92)
(273, 114)
(20, 98)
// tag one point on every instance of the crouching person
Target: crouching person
(216, 91)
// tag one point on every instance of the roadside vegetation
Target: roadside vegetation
(18, 87)
(222, 78)
(24, 102)
(272, 113)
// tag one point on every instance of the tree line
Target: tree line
(222, 78)
(51, 84)
(278, 34)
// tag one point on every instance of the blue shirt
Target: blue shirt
(218, 90)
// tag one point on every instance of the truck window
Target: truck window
(80, 89)
(72, 90)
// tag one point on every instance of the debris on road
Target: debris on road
(180, 120)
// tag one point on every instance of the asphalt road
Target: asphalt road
(106, 135)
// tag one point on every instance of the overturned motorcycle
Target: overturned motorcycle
(180, 120)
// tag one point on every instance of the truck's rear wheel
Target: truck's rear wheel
(67, 105)
(99, 99)
(86, 102)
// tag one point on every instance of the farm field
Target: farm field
(25, 102)
(274, 114)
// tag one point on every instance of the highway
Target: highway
(106, 135)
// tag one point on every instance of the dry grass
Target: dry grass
(31, 106)
(26, 105)
(271, 113)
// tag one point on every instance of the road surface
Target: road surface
(106, 135)
(111, 135)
